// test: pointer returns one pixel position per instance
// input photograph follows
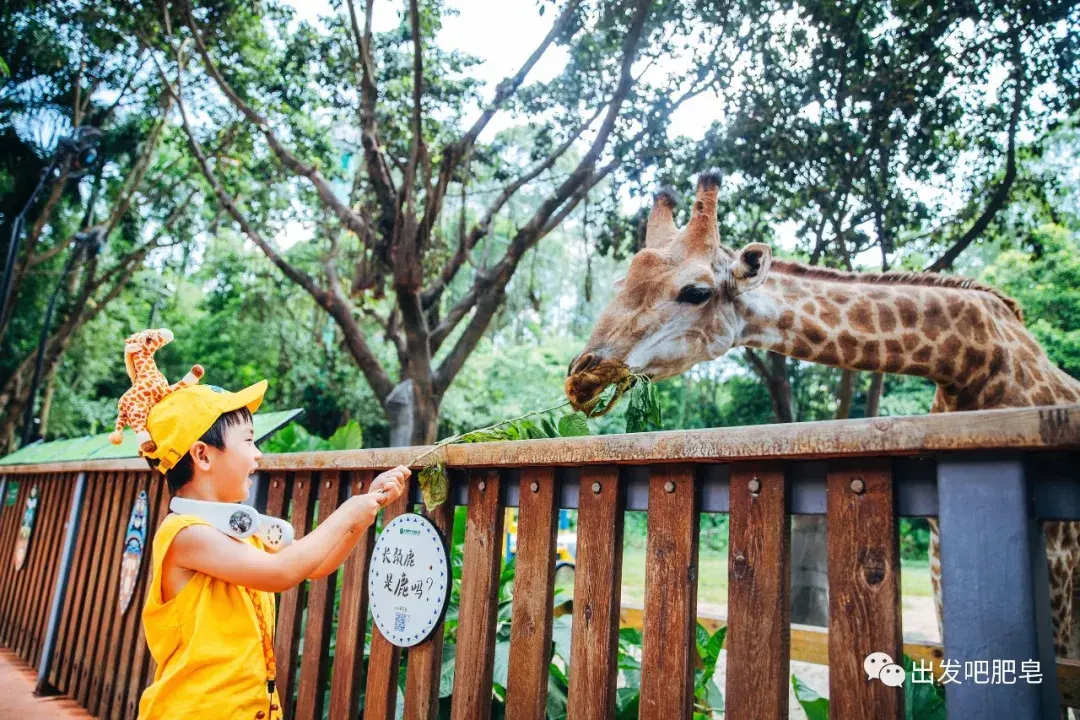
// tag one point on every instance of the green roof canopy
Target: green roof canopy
(98, 447)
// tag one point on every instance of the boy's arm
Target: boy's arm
(387, 488)
(201, 548)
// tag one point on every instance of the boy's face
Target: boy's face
(232, 467)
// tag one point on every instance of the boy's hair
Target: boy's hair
(180, 474)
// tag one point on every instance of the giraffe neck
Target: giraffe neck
(942, 333)
(144, 365)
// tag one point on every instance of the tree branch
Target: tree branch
(334, 305)
(1001, 193)
(374, 158)
(453, 155)
(345, 214)
(466, 242)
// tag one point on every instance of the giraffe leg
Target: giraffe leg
(935, 573)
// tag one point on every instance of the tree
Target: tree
(62, 56)
(402, 98)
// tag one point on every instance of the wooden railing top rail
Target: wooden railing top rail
(1033, 428)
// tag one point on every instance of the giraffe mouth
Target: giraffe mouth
(584, 388)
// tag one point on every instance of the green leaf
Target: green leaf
(573, 425)
(347, 437)
(643, 411)
(923, 701)
(549, 428)
(815, 706)
(712, 652)
(433, 485)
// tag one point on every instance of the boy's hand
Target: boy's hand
(388, 486)
(366, 509)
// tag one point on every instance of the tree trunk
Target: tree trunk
(809, 571)
(414, 420)
(46, 402)
(843, 395)
(873, 396)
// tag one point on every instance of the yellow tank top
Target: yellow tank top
(207, 644)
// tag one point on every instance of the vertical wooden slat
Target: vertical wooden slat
(73, 608)
(292, 601)
(141, 673)
(534, 587)
(759, 578)
(45, 530)
(380, 695)
(70, 592)
(31, 568)
(669, 626)
(74, 618)
(475, 660)
(320, 612)
(864, 587)
(66, 484)
(100, 580)
(597, 588)
(109, 614)
(10, 518)
(120, 654)
(80, 665)
(425, 659)
(345, 683)
(25, 577)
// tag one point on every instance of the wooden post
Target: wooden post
(864, 588)
(597, 588)
(320, 613)
(425, 659)
(671, 576)
(759, 575)
(534, 587)
(475, 660)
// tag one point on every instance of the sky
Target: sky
(503, 33)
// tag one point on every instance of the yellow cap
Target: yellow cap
(180, 418)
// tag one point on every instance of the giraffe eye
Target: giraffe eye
(694, 295)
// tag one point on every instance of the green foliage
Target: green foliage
(1046, 282)
(922, 701)
(643, 411)
(434, 485)
(294, 438)
(815, 706)
(914, 538)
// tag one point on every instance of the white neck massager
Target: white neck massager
(237, 520)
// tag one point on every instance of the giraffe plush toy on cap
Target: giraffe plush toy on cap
(148, 385)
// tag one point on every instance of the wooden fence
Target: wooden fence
(989, 477)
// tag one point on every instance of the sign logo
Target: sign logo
(879, 666)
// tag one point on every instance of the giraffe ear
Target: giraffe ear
(750, 267)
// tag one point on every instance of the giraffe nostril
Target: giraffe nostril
(583, 362)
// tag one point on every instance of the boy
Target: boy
(209, 612)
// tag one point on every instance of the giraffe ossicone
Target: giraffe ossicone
(688, 298)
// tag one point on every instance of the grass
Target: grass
(713, 576)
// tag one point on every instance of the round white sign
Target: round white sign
(409, 580)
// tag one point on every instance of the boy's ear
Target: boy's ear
(199, 455)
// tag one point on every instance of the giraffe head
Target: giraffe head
(144, 344)
(147, 342)
(676, 305)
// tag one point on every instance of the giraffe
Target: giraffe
(148, 385)
(687, 298)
